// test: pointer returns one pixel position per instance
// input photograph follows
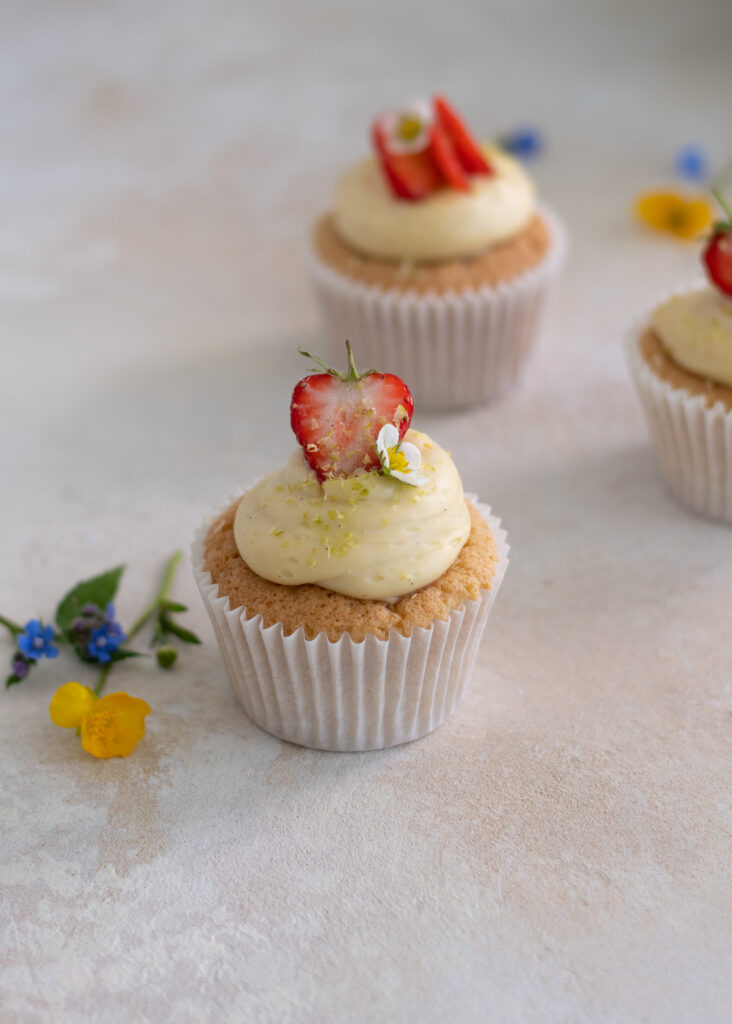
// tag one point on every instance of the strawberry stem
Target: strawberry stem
(720, 199)
(353, 373)
(352, 376)
(320, 362)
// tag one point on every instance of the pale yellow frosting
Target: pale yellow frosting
(449, 224)
(695, 329)
(367, 536)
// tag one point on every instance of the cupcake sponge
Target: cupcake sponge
(322, 611)
(500, 263)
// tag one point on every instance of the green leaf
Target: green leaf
(86, 658)
(158, 636)
(118, 655)
(98, 590)
(183, 634)
(12, 679)
(121, 655)
(174, 606)
(12, 627)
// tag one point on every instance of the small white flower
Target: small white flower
(402, 461)
(407, 130)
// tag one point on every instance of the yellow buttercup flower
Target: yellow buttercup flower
(69, 705)
(110, 726)
(674, 213)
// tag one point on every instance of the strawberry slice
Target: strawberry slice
(469, 153)
(446, 159)
(717, 257)
(337, 417)
(411, 175)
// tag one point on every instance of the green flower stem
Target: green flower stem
(162, 595)
(103, 677)
(720, 199)
(11, 626)
(152, 609)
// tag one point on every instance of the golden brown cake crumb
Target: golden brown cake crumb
(500, 263)
(664, 367)
(322, 611)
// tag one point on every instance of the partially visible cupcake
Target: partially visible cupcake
(681, 362)
(349, 589)
(436, 258)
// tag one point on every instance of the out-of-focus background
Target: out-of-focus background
(555, 852)
(162, 163)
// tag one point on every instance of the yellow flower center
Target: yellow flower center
(409, 127)
(397, 460)
(678, 219)
(102, 725)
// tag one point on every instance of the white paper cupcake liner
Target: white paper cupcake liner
(693, 441)
(455, 349)
(344, 695)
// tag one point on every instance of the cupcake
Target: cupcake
(681, 362)
(350, 588)
(436, 259)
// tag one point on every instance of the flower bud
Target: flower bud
(166, 656)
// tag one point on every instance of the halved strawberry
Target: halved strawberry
(468, 151)
(718, 258)
(446, 159)
(411, 175)
(336, 417)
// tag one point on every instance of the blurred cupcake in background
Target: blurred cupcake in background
(436, 258)
(681, 362)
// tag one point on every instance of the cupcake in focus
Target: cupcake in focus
(681, 362)
(350, 588)
(436, 258)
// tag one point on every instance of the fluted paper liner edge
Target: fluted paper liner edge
(344, 695)
(454, 349)
(692, 440)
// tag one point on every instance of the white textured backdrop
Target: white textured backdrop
(557, 851)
